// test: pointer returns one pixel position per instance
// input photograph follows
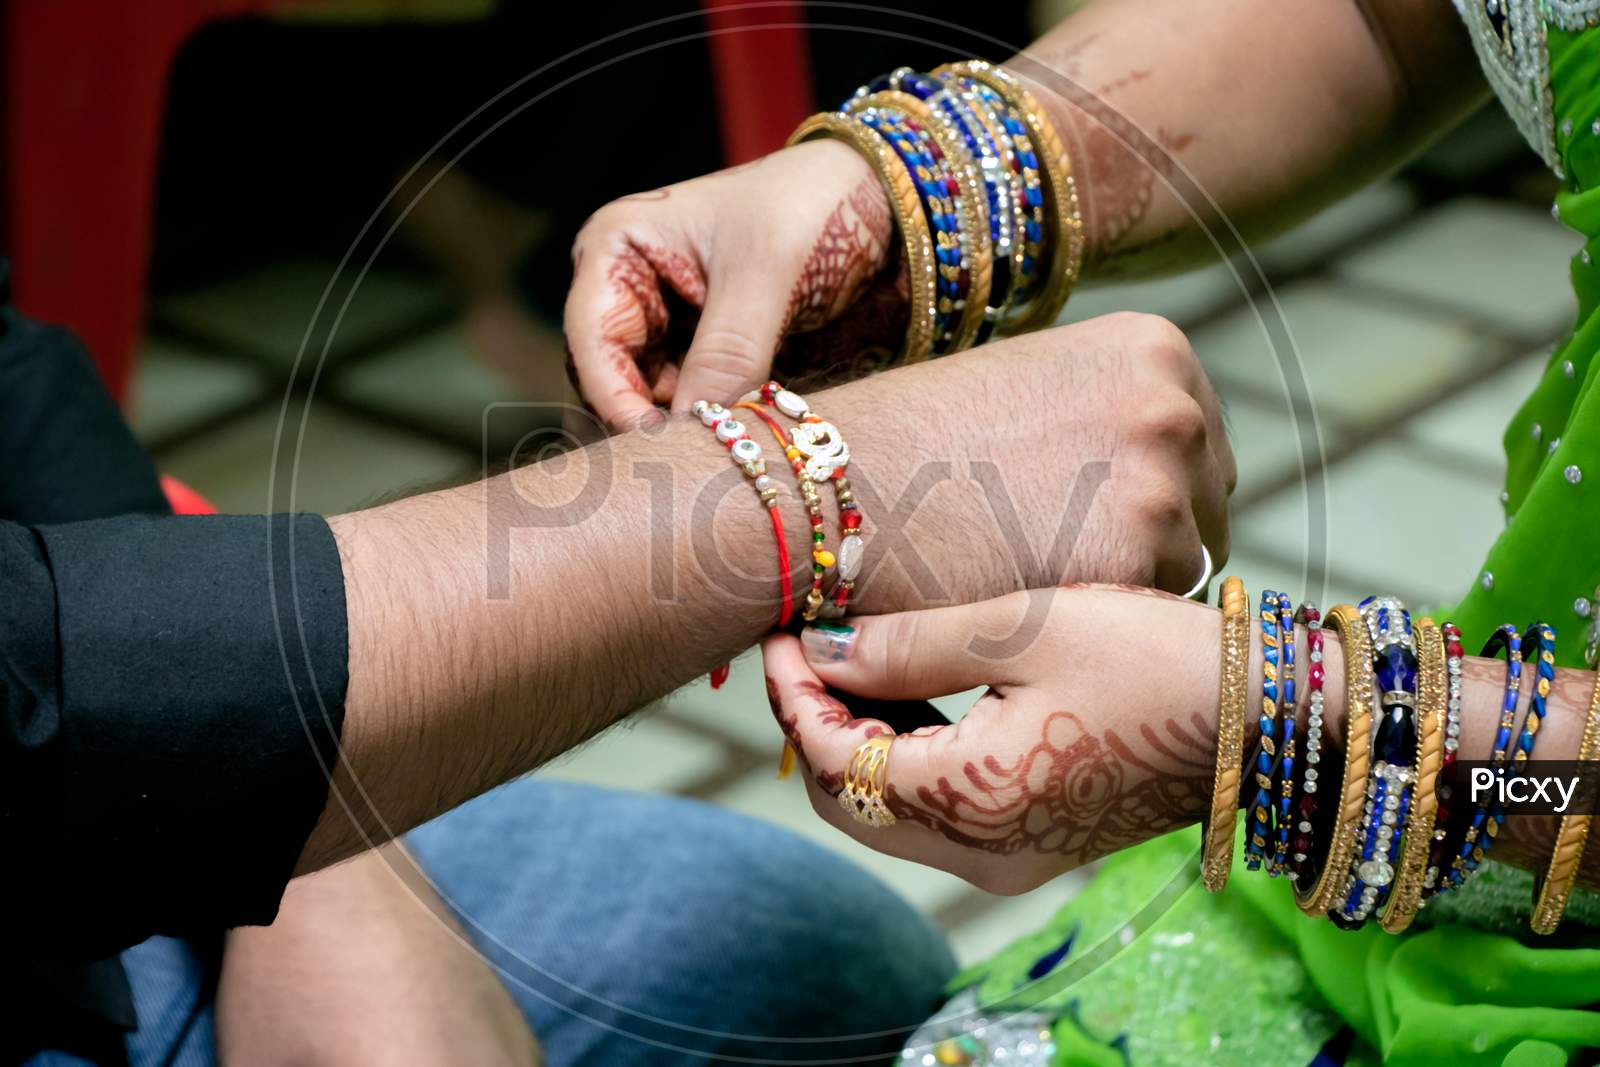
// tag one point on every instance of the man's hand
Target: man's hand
(1091, 452)
(735, 260)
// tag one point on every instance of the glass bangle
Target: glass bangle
(910, 222)
(1484, 822)
(1265, 756)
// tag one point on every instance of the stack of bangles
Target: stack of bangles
(1386, 836)
(982, 194)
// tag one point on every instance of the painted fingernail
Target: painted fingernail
(828, 642)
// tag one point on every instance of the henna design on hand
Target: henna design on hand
(1072, 794)
(848, 254)
(633, 327)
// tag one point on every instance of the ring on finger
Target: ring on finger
(865, 777)
(1199, 589)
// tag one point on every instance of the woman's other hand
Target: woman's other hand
(719, 270)
(1071, 754)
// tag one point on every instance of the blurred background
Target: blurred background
(243, 204)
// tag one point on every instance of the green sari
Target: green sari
(1145, 968)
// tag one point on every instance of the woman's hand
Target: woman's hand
(1073, 753)
(726, 266)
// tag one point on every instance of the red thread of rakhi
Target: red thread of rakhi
(754, 466)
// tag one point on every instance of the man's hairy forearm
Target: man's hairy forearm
(472, 662)
(630, 568)
(1252, 111)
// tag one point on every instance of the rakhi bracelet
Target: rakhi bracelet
(746, 455)
(808, 496)
(1320, 897)
(1283, 778)
(1432, 694)
(1445, 828)
(1064, 243)
(1217, 829)
(1552, 891)
(817, 449)
(905, 206)
(1260, 808)
(1482, 826)
(1394, 754)
(1306, 810)
(938, 194)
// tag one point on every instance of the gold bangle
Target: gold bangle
(907, 210)
(1357, 648)
(865, 779)
(1555, 888)
(1217, 830)
(974, 209)
(1063, 213)
(1432, 693)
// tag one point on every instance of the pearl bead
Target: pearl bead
(852, 551)
(791, 404)
(763, 483)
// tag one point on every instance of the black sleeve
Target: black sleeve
(171, 695)
(65, 452)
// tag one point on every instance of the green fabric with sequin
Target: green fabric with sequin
(1244, 977)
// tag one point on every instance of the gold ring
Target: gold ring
(865, 779)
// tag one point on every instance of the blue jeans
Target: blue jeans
(638, 929)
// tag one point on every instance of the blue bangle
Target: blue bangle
(1255, 850)
(1487, 816)
(1016, 150)
(1394, 757)
(928, 177)
(1284, 775)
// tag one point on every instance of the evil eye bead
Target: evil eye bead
(709, 413)
(745, 450)
(729, 430)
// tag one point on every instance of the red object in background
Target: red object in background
(85, 84)
(85, 87)
(185, 501)
(762, 76)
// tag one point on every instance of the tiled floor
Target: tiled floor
(1418, 318)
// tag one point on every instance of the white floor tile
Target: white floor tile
(1181, 298)
(435, 380)
(1308, 245)
(1474, 423)
(1362, 362)
(268, 310)
(344, 463)
(175, 386)
(641, 754)
(1495, 260)
(1417, 527)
